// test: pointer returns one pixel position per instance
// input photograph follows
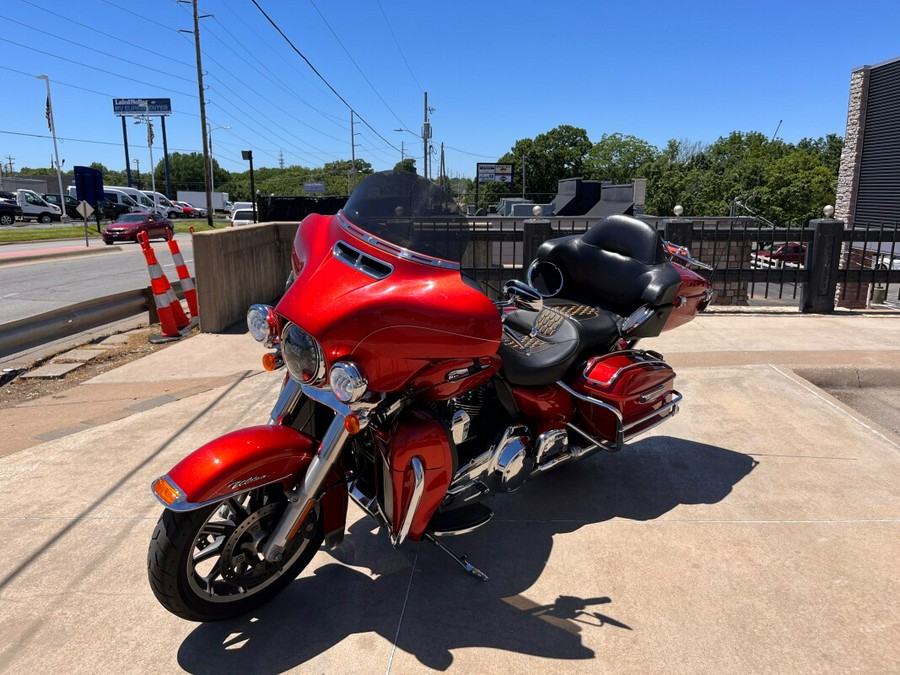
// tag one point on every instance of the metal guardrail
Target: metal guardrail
(33, 331)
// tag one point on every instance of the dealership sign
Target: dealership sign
(494, 173)
(125, 107)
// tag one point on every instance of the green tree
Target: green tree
(619, 158)
(795, 188)
(186, 172)
(110, 177)
(408, 164)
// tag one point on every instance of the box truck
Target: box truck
(199, 199)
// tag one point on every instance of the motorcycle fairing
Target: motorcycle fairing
(250, 458)
(392, 324)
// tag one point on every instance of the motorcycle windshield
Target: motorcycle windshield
(411, 212)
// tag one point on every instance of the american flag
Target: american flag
(48, 113)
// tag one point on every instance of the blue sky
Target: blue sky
(495, 72)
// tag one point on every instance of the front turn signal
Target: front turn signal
(352, 424)
(165, 490)
(272, 361)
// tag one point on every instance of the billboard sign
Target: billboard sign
(494, 173)
(126, 107)
(315, 187)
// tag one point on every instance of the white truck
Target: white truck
(35, 207)
(163, 203)
(219, 199)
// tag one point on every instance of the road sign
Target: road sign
(85, 210)
(494, 173)
(88, 184)
(126, 107)
(314, 187)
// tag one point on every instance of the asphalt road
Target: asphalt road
(32, 288)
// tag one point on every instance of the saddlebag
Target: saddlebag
(622, 394)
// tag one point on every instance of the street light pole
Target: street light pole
(62, 200)
(212, 177)
(248, 155)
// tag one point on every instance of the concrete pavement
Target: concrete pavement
(755, 532)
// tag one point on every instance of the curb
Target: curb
(59, 254)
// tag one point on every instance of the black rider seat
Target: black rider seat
(538, 348)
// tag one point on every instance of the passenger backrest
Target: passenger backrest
(619, 264)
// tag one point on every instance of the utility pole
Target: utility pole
(10, 163)
(426, 134)
(207, 177)
(352, 153)
(281, 159)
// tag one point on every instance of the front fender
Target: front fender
(246, 459)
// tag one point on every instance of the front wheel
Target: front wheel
(45, 218)
(207, 565)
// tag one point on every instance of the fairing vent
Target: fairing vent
(360, 261)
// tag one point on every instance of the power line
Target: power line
(466, 152)
(318, 74)
(353, 61)
(69, 19)
(140, 16)
(98, 51)
(274, 78)
(74, 140)
(399, 48)
(101, 70)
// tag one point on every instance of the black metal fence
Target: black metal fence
(753, 263)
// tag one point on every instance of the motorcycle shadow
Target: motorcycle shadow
(419, 600)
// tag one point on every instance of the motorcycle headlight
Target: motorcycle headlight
(261, 323)
(302, 355)
(347, 382)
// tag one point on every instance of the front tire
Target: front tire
(45, 218)
(206, 565)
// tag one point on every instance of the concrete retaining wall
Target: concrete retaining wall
(238, 266)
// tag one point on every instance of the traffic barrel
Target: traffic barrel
(171, 315)
(187, 283)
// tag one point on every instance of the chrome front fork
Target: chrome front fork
(303, 499)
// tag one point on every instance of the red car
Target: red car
(128, 225)
(778, 254)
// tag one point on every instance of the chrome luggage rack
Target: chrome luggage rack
(622, 429)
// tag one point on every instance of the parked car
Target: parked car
(775, 255)
(112, 210)
(242, 217)
(192, 211)
(127, 227)
(71, 204)
(9, 212)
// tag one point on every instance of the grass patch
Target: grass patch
(25, 234)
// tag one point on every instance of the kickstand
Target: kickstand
(461, 559)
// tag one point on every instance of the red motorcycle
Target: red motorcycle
(412, 393)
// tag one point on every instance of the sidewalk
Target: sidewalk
(756, 531)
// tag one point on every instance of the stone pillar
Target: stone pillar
(851, 154)
(818, 294)
(852, 295)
